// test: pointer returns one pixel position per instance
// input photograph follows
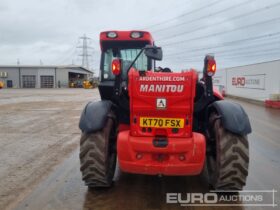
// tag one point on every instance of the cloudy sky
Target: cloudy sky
(238, 32)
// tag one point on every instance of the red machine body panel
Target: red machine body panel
(184, 152)
(177, 90)
(182, 156)
(126, 36)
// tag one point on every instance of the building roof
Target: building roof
(47, 66)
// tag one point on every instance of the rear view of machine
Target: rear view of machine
(160, 139)
(159, 123)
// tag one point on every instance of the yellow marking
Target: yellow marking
(161, 122)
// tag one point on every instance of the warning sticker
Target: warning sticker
(161, 103)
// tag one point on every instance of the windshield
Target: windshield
(127, 56)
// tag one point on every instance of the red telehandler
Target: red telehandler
(160, 122)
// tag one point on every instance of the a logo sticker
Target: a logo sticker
(161, 103)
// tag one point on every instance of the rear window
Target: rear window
(127, 51)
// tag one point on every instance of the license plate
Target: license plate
(161, 122)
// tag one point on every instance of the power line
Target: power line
(184, 14)
(223, 21)
(223, 32)
(269, 50)
(251, 57)
(235, 54)
(236, 49)
(254, 38)
(67, 60)
(206, 16)
(259, 57)
(164, 11)
(244, 54)
(66, 55)
(254, 60)
(256, 55)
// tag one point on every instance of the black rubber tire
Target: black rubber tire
(228, 164)
(98, 156)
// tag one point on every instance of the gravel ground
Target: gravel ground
(38, 129)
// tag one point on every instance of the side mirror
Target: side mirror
(153, 52)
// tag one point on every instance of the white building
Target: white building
(256, 81)
(19, 76)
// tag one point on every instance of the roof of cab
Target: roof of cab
(126, 36)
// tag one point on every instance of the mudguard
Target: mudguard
(233, 117)
(94, 116)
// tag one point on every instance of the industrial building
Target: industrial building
(21, 76)
(259, 81)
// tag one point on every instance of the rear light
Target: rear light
(116, 66)
(136, 34)
(211, 66)
(112, 34)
